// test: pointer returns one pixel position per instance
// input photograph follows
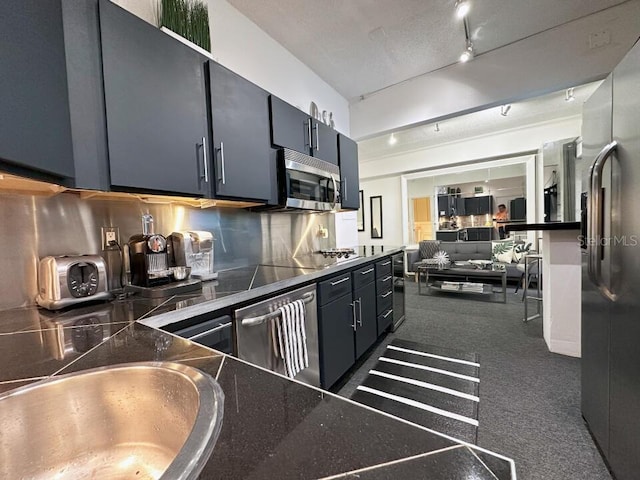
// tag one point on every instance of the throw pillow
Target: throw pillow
(502, 251)
(520, 250)
(428, 248)
(442, 257)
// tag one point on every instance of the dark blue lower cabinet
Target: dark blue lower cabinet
(336, 322)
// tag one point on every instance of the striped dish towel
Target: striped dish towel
(289, 337)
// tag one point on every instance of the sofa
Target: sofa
(458, 252)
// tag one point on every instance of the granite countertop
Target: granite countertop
(273, 427)
(521, 227)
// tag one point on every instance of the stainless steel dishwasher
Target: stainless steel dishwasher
(253, 333)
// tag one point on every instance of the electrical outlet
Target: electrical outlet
(110, 236)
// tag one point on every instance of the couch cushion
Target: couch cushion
(460, 251)
(428, 248)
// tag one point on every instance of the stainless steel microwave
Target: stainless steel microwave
(307, 183)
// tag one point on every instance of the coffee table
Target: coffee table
(455, 273)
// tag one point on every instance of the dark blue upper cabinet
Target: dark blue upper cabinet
(290, 127)
(349, 174)
(156, 108)
(294, 129)
(51, 99)
(324, 142)
(243, 158)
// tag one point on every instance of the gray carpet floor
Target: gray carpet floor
(529, 397)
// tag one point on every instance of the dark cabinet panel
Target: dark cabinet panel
(336, 324)
(349, 173)
(471, 206)
(34, 102)
(241, 136)
(383, 268)
(384, 320)
(459, 204)
(485, 205)
(324, 142)
(518, 209)
(363, 276)
(367, 325)
(447, 236)
(333, 288)
(156, 109)
(446, 204)
(290, 127)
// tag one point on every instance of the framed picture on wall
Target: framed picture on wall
(361, 213)
(376, 216)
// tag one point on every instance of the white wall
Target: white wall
(240, 45)
(503, 143)
(389, 189)
(382, 176)
(550, 61)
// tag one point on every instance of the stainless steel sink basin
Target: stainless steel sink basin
(134, 421)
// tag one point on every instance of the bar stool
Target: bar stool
(532, 267)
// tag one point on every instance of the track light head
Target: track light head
(468, 53)
(504, 109)
(462, 8)
(569, 96)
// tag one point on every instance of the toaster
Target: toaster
(70, 279)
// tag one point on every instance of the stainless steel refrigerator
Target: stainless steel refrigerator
(611, 267)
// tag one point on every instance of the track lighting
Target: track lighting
(467, 54)
(462, 8)
(437, 127)
(569, 96)
(392, 139)
(504, 109)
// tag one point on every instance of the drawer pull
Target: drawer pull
(387, 294)
(333, 284)
(386, 263)
(220, 327)
(387, 314)
(386, 279)
(366, 271)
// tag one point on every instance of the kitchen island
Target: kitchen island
(273, 427)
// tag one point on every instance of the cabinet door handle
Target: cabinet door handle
(224, 177)
(333, 284)
(344, 182)
(366, 271)
(317, 128)
(204, 158)
(309, 132)
(360, 311)
(386, 279)
(385, 263)
(387, 294)
(388, 313)
(353, 315)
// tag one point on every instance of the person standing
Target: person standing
(500, 218)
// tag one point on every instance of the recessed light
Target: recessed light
(462, 8)
(392, 139)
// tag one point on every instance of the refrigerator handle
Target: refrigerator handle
(596, 220)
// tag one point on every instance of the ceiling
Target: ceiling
(362, 46)
(540, 109)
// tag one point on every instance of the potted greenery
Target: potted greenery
(188, 19)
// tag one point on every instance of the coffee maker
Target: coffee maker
(148, 258)
(193, 249)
